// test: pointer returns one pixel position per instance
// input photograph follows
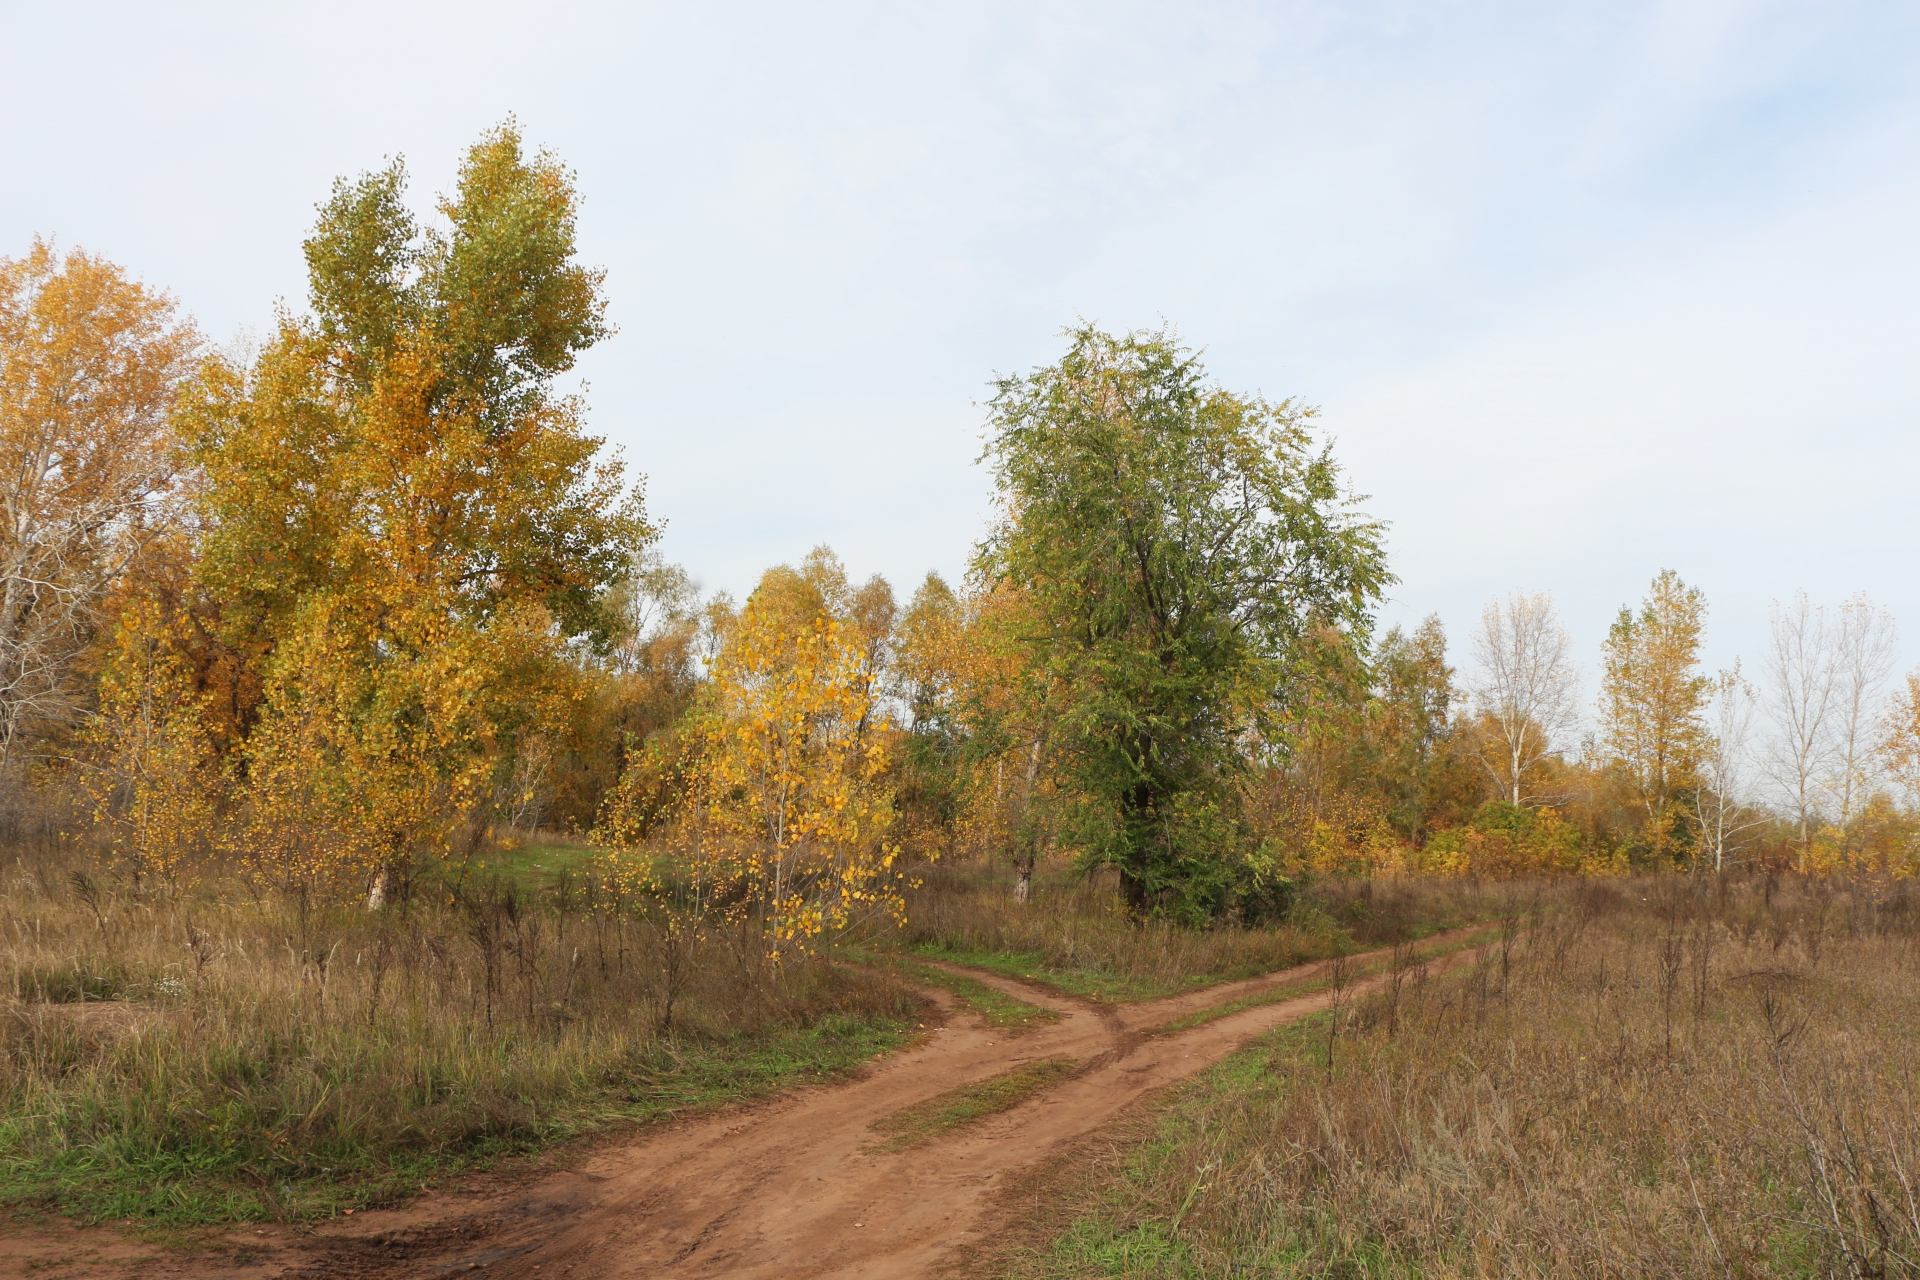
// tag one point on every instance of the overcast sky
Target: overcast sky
(1580, 295)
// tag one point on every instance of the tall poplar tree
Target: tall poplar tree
(403, 519)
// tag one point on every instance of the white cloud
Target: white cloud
(1547, 268)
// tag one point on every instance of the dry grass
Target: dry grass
(1075, 936)
(1651, 1079)
(203, 1058)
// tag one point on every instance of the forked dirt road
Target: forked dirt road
(796, 1187)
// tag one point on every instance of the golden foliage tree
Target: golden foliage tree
(925, 667)
(404, 522)
(151, 771)
(1653, 701)
(89, 364)
(379, 744)
(1900, 746)
(986, 712)
(786, 810)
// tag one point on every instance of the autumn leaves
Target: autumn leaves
(779, 810)
(329, 616)
(398, 530)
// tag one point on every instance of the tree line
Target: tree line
(332, 617)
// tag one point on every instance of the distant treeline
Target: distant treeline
(348, 609)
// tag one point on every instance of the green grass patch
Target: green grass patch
(995, 1007)
(1090, 981)
(213, 1158)
(1109, 1235)
(538, 864)
(971, 1103)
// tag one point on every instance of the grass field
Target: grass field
(1074, 937)
(542, 861)
(1649, 1080)
(1648, 1077)
(194, 1059)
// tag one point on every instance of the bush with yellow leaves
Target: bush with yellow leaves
(783, 819)
(149, 768)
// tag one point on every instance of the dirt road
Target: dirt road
(796, 1187)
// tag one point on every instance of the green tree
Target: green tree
(1408, 720)
(1176, 543)
(927, 669)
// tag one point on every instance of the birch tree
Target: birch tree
(1864, 648)
(1799, 698)
(89, 363)
(1526, 691)
(1720, 817)
(790, 803)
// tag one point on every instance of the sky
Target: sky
(1581, 292)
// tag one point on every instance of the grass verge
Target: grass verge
(1313, 983)
(1661, 1079)
(994, 1007)
(198, 1170)
(1103, 1229)
(971, 1103)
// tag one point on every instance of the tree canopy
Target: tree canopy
(1177, 543)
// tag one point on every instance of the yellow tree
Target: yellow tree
(1306, 805)
(1899, 832)
(405, 523)
(150, 768)
(365, 758)
(1900, 747)
(787, 809)
(1652, 702)
(977, 758)
(89, 364)
(929, 665)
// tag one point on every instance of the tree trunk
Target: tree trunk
(382, 886)
(1029, 841)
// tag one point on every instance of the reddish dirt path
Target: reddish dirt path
(796, 1187)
